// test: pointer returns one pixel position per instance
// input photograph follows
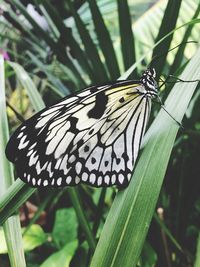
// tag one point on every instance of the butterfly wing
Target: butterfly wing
(93, 137)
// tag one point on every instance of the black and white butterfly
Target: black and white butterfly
(92, 137)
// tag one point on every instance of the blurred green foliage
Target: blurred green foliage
(73, 45)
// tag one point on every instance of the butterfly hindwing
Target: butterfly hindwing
(93, 137)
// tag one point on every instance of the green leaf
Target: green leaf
(28, 84)
(3, 246)
(60, 89)
(129, 218)
(38, 34)
(34, 237)
(127, 39)
(65, 227)
(83, 221)
(197, 259)
(100, 74)
(62, 257)
(13, 198)
(11, 227)
(66, 39)
(168, 24)
(148, 256)
(105, 41)
(168, 233)
(131, 69)
(180, 53)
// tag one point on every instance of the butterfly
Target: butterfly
(91, 137)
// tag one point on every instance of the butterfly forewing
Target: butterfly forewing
(92, 137)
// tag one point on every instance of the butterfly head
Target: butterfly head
(148, 80)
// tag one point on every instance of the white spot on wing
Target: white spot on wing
(107, 179)
(78, 167)
(99, 182)
(113, 178)
(129, 176)
(68, 179)
(84, 176)
(28, 177)
(77, 180)
(121, 178)
(20, 135)
(33, 181)
(23, 144)
(45, 183)
(31, 147)
(92, 178)
(59, 181)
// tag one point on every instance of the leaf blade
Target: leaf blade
(127, 37)
(105, 41)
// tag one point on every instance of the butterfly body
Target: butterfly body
(91, 137)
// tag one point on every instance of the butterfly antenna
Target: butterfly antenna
(180, 80)
(163, 107)
(156, 57)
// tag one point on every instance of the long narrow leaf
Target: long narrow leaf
(131, 69)
(75, 198)
(34, 24)
(59, 50)
(104, 41)
(26, 82)
(15, 196)
(91, 50)
(12, 227)
(66, 39)
(197, 260)
(128, 221)
(180, 54)
(60, 88)
(167, 25)
(127, 39)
